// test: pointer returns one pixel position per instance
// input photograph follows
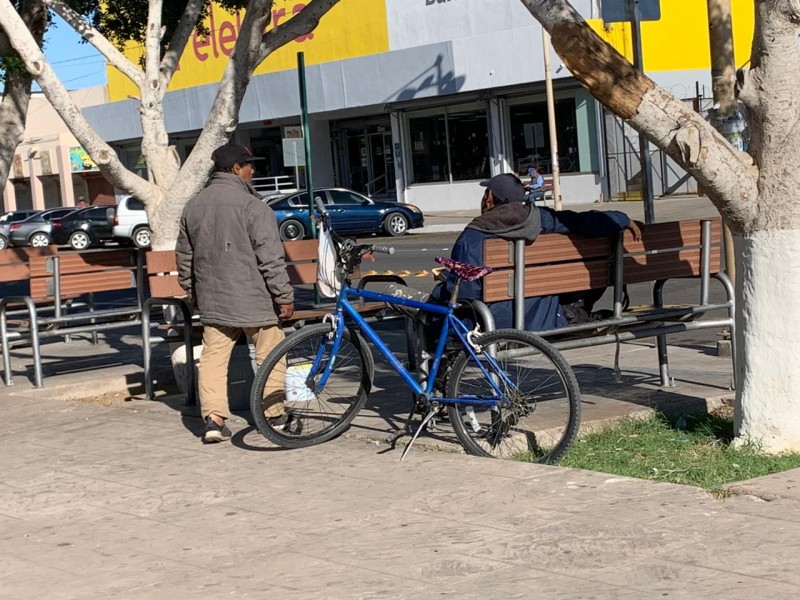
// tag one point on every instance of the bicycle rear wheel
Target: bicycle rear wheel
(544, 415)
(316, 415)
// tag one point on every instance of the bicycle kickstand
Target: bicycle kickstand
(431, 414)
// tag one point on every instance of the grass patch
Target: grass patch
(690, 450)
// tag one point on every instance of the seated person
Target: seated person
(505, 214)
(536, 185)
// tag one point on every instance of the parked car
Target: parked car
(351, 213)
(130, 223)
(35, 230)
(82, 228)
(7, 219)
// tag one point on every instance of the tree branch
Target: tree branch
(59, 98)
(294, 27)
(180, 38)
(98, 40)
(726, 174)
(152, 46)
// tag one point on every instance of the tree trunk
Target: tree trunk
(17, 88)
(768, 289)
(13, 111)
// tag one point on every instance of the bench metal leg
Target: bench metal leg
(729, 290)
(661, 340)
(188, 335)
(34, 331)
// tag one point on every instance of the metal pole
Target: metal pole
(551, 120)
(301, 75)
(723, 73)
(644, 145)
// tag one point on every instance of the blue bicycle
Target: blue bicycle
(508, 393)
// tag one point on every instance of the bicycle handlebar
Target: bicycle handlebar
(383, 249)
(320, 207)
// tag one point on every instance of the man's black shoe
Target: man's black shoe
(215, 433)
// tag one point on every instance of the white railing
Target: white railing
(280, 184)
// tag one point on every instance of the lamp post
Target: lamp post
(551, 121)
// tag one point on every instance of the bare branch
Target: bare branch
(98, 40)
(180, 38)
(59, 98)
(302, 23)
(152, 45)
(727, 175)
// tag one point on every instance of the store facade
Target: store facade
(413, 100)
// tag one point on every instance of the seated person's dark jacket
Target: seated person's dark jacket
(514, 221)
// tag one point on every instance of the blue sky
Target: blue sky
(78, 65)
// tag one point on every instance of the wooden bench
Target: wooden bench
(556, 264)
(301, 263)
(53, 281)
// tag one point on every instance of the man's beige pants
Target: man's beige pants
(212, 374)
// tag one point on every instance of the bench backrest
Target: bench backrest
(556, 263)
(82, 273)
(14, 262)
(301, 264)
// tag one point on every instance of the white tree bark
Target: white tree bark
(767, 409)
(171, 184)
(17, 87)
(757, 193)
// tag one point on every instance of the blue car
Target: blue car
(351, 214)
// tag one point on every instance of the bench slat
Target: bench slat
(301, 250)
(166, 286)
(24, 255)
(663, 236)
(652, 267)
(547, 248)
(161, 261)
(88, 262)
(545, 280)
(117, 279)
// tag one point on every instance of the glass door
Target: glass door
(381, 165)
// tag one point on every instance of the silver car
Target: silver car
(7, 219)
(35, 230)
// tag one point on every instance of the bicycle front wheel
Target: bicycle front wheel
(288, 377)
(544, 413)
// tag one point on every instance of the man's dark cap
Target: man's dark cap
(506, 187)
(231, 154)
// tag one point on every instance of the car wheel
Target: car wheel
(39, 240)
(396, 224)
(292, 230)
(141, 237)
(80, 240)
(3, 242)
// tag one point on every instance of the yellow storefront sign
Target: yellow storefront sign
(351, 28)
(679, 40)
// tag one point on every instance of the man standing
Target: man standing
(505, 214)
(231, 265)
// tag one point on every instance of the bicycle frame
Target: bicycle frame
(344, 308)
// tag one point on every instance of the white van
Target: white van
(130, 222)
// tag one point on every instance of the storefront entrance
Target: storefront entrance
(364, 158)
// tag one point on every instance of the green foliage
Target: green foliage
(690, 450)
(126, 20)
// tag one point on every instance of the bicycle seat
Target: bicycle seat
(462, 270)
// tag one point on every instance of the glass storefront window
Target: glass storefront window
(530, 136)
(464, 132)
(469, 145)
(429, 149)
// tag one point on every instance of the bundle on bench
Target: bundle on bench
(556, 264)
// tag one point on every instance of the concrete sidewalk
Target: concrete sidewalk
(123, 501)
